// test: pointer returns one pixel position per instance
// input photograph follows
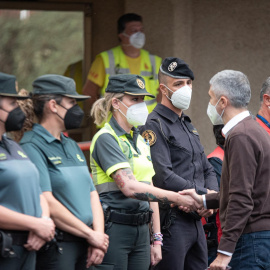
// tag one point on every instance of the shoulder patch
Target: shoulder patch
(150, 136)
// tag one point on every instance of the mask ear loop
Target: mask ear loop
(169, 90)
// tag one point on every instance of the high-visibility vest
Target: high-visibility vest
(140, 163)
(115, 62)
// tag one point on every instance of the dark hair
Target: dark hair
(39, 102)
(220, 140)
(129, 17)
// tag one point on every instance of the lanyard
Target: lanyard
(264, 120)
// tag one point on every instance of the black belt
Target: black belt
(67, 237)
(130, 219)
(19, 238)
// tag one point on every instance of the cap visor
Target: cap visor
(14, 96)
(78, 97)
(140, 94)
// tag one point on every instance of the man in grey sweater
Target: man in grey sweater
(244, 198)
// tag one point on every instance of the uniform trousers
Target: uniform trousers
(63, 256)
(185, 248)
(129, 248)
(23, 260)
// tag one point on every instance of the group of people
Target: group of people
(151, 181)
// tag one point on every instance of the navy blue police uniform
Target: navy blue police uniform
(180, 163)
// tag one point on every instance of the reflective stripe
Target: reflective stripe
(110, 70)
(110, 186)
(146, 73)
(115, 69)
(153, 63)
(150, 101)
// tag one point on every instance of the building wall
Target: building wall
(209, 35)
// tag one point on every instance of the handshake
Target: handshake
(189, 200)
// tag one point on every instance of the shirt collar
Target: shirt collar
(234, 121)
(116, 127)
(45, 134)
(169, 114)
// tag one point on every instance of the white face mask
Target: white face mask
(137, 40)
(136, 114)
(213, 115)
(181, 97)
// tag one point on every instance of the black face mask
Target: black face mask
(15, 119)
(73, 117)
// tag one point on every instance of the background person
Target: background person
(180, 163)
(263, 116)
(243, 200)
(24, 212)
(127, 58)
(212, 227)
(122, 172)
(65, 180)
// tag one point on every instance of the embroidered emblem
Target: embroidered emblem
(140, 83)
(150, 136)
(55, 160)
(79, 158)
(3, 156)
(22, 154)
(172, 66)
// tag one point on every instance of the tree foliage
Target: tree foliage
(46, 42)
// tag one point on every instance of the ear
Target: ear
(115, 103)
(120, 36)
(266, 100)
(52, 105)
(163, 89)
(223, 102)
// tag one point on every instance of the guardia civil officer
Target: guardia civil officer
(24, 214)
(65, 180)
(122, 172)
(180, 163)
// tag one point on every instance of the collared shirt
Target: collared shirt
(19, 185)
(63, 170)
(234, 121)
(107, 154)
(178, 156)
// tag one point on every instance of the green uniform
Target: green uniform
(63, 172)
(112, 149)
(20, 192)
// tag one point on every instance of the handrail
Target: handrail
(85, 146)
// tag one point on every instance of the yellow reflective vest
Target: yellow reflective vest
(140, 163)
(115, 63)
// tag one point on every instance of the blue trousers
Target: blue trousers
(252, 252)
(185, 248)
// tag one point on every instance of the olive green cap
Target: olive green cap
(56, 85)
(8, 86)
(127, 84)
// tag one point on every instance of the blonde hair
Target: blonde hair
(103, 106)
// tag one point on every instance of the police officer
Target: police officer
(122, 172)
(180, 163)
(126, 58)
(65, 180)
(24, 215)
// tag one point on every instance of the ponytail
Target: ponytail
(103, 106)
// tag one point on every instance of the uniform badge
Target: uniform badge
(22, 154)
(79, 158)
(3, 156)
(172, 66)
(150, 136)
(140, 83)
